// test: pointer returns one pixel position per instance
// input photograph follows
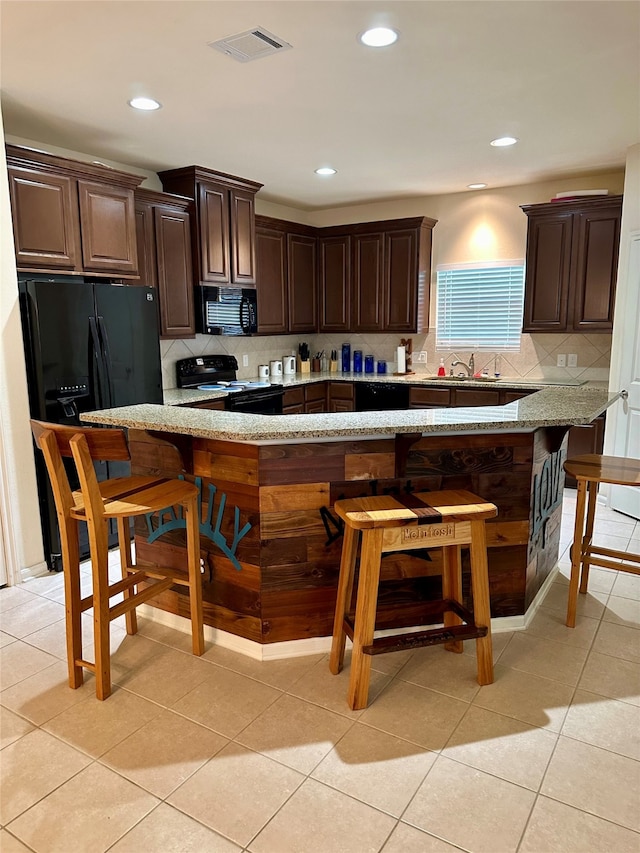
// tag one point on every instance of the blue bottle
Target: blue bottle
(357, 361)
(368, 364)
(346, 358)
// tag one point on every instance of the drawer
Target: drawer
(421, 398)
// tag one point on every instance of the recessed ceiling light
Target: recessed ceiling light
(144, 104)
(503, 141)
(476, 186)
(326, 170)
(378, 37)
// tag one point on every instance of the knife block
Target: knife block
(303, 366)
(333, 366)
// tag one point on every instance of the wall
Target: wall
(627, 296)
(19, 511)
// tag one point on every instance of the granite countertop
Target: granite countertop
(551, 406)
(184, 396)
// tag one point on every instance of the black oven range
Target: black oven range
(218, 373)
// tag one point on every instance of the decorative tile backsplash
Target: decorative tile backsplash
(537, 358)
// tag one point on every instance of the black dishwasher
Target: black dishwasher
(381, 396)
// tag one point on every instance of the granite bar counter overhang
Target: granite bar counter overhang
(555, 406)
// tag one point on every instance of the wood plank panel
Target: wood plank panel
(294, 496)
(369, 466)
(304, 522)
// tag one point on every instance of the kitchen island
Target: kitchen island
(270, 540)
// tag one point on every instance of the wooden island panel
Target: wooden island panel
(271, 541)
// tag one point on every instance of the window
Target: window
(479, 306)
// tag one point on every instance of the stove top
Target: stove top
(233, 386)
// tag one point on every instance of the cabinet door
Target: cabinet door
(45, 220)
(401, 281)
(335, 284)
(547, 272)
(213, 215)
(597, 238)
(340, 396)
(367, 283)
(175, 281)
(146, 245)
(243, 247)
(301, 275)
(271, 279)
(108, 228)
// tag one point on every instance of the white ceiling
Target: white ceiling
(410, 120)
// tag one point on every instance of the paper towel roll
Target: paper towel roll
(402, 360)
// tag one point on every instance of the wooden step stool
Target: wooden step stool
(426, 520)
(589, 471)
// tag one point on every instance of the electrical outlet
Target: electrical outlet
(562, 360)
(572, 359)
(245, 360)
(422, 356)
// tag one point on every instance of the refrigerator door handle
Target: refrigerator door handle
(97, 371)
(106, 359)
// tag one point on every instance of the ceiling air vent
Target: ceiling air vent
(254, 44)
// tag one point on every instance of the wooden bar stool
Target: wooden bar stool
(446, 520)
(589, 471)
(97, 503)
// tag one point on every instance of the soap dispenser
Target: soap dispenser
(441, 369)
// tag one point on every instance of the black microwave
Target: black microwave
(226, 310)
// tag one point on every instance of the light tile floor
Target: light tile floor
(223, 753)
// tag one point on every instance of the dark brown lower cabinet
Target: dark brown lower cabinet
(586, 438)
(475, 397)
(429, 398)
(315, 398)
(340, 397)
(293, 401)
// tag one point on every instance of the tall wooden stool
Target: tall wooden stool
(446, 520)
(96, 503)
(589, 471)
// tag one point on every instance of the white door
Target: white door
(626, 441)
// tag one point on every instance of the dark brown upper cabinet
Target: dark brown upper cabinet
(164, 258)
(367, 298)
(571, 264)
(271, 269)
(286, 268)
(334, 261)
(223, 230)
(376, 276)
(302, 282)
(73, 216)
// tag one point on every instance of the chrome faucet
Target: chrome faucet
(470, 368)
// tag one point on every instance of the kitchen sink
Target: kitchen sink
(463, 378)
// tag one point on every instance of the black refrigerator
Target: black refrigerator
(88, 346)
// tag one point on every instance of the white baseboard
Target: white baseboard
(38, 570)
(317, 645)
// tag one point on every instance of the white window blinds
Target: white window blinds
(479, 306)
